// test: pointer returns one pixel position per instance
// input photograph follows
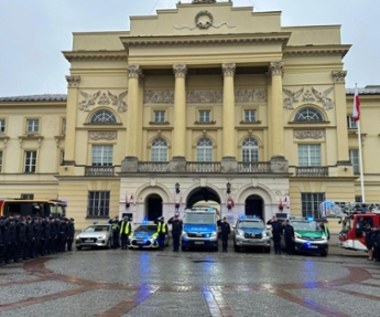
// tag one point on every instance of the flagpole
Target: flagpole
(360, 154)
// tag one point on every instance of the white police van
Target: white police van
(200, 228)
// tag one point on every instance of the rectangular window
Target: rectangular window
(32, 125)
(2, 125)
(1, 161)
(30, 159)
(63, 126)
(98, 204)
(310, 204)
(27, 196)
(309, 154)
(354, 159)
(61, 157)
(204, 116)
(159, 116)
(249, 115)
(351, 123)
(102, 155)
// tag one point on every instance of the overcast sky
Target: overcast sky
(33, 33)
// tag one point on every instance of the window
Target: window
(63, 126)
(30, 159)
(250, 150)
(249, 115)
(159, 150)
(310, 204)
(159, 116)
(354, 159)
(102, 155)
(204, 116)
(103, 117)
(308, 115)
(1, 161)
(32, 125)
(204, 150)
(98, 204)
(2, 125)
(309, 155)
(351, 123)
(27, 196)
(61, 157)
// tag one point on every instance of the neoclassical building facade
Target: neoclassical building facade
(206, 103)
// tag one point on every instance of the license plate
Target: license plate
(88, 240)
(313, 247)
(199, 242)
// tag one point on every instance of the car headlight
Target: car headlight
(297, 235)
(213, 234)
(240, 233)
(102, 237)
(264, 234)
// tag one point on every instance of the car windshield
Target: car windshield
(200, 218)
(250, 225)
(306, 226)
(146, 228)
(96, 228)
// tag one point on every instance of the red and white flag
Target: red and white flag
(356, 106)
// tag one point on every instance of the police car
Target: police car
(309, 237)
(251, 232)
(145, 237)
(96, 235)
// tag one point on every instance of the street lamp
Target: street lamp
(228, 188)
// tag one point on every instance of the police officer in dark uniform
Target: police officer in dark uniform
(70, 233)
(289, 237)
(276, 234)
(225, 231)
(177, 227)
(2, 243)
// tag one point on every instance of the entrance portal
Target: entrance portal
(154, 207)
(203, 196)
(254, 206)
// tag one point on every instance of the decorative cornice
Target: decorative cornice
(228, 69)
(95, 55)
(309, 134)
(317, 50)
(180, 70)
(73, 81)
(339, 76)
(103, 135)
(196, 40)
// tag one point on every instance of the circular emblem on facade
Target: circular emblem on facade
(203, 20)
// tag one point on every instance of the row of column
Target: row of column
(228, 133)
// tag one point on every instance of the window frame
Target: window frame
(204, 152)
(103, 117)
(204, 116)
(310, 158)
(30, 161)
(250, 152)
(354, 159)
(3, 125)
(98, 203)
(249, 115)
(159, 116)
(310, 204)
(309, 116)
(102, 155)
(159, 152)
(32, 126)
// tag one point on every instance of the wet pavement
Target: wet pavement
(153, 283)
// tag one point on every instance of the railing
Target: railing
(312, 171)
(203, 167)
(152, 166)
(254, 167)
(99, 171)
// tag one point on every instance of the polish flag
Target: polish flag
(356, 106)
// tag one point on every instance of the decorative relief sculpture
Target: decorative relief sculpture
(180, 70)
(203, 1)
(203, 20)
(73, 81)
(309, 134)
(228, 69)
(159, 96)
(103, 99)
(276, 68)
(204, 96)
(250, 95)
(134, 71)
(339, 76)
(308, 95)
(103, 135)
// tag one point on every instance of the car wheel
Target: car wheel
(79, 248)
(236, 248)
(324, 253)
(109, 244)
(183, 248)
(267, 250)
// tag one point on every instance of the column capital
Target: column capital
(180, 70)
(228, 69)
(73, 81)
(134, 71)
(339, 76)
(276, 68)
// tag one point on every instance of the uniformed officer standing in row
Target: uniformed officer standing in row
(177, 227)
(125, 231)
(162, 231)
(277, 230)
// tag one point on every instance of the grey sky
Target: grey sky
(33, 33)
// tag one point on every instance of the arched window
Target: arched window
(159, 150)
(103, 117)
(250, 150)
(204, 150)
(308, 114)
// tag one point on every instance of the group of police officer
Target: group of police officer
(27, 237)
(372, 239)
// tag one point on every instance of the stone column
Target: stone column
(228, 110)
(179, 132)
(276, 110)
(133, 126)
(71, 118)
(341, 117)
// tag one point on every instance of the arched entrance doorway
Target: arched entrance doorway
(254, 206)
(203, 196)
(154, 207)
